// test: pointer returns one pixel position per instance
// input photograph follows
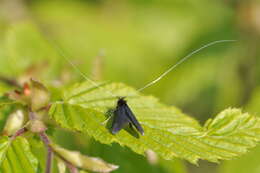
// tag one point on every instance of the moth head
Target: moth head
(121, 101)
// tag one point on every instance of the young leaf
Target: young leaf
(4, 142)
(34, 94)
(5, 111)
(84, 162)
(16, 156)
(40, 96)
(14, 122)
(250, 160)
(61, 165)
(168, 131)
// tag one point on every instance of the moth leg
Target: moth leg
(131, 126)
(109, 117)
(104, 122)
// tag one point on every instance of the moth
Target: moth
(123, 114)
(123, 117)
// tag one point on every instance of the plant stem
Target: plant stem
(46, 141)
(45, 107)
(18, 133)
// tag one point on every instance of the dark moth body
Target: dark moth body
(124, 116)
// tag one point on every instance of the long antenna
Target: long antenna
(61, 52)
(181, 61)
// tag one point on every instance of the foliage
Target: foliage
(137, 40)
(15, 156)
(250, 160)
(168, 132)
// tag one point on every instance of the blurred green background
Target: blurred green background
(133, 41)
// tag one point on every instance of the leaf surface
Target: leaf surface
(168, 131)
(16, 156)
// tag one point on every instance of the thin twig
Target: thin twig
(46, 141)
(18, 133)
(46, 108)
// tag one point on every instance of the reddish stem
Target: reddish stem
(18, 133)
(45, 108)
(46, 141)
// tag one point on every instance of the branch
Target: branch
(18, 133)
(46, 141)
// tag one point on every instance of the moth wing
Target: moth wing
(133, 119)
(120, 120)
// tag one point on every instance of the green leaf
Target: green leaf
(250, 160)
(16, 156)
(4, 142)
(168, 131)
